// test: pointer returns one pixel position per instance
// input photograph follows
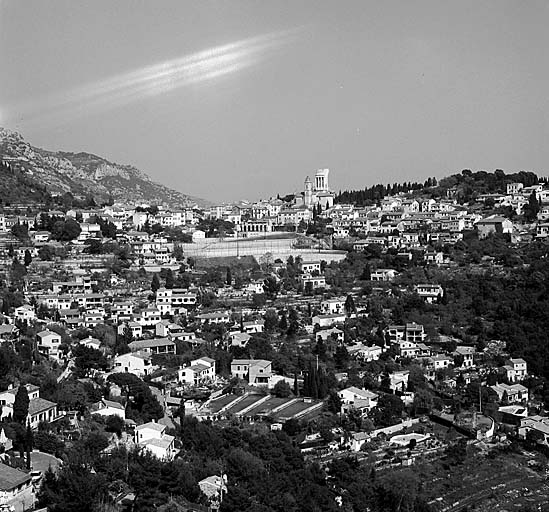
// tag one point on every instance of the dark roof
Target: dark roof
(37, 405)
(11, 477)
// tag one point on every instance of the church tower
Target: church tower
(308, 195)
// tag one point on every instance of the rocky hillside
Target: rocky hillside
(86, 174)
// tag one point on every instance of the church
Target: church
(319, 193)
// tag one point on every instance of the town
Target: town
(195, 358)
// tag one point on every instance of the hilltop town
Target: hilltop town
(379, 349)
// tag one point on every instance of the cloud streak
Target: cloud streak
(155, 80)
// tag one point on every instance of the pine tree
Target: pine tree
(296, 385)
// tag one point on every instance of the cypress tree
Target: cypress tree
(21, 405)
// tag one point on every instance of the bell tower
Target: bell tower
(308, 192)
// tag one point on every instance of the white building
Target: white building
(137, 364)
(152, 438)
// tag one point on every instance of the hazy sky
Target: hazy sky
(242, 99)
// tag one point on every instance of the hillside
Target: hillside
(84, 174)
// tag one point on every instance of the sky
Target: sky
(230, 100)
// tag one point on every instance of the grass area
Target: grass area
(243, 262)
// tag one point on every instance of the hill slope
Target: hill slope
(86, 174)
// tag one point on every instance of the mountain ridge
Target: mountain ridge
(84, 173)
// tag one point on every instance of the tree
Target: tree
(66, 230)
(271, 320)
(388, 411)
(21, 405)
(155, 283)
(28, 445)
(169, 279)
(532, 209)
(114, 423)
(28, 258)
(229, 277)
(271, 287)
(350, 305)
(282, 389)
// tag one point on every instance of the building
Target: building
(318, 193)
(429, 292)
(174, 301)
(516, 369)
(48, 343)
(16, 490)
(135, 328)
(138, 364)
(257, 372)
(383, 274)
(108, 408)
(511, 393)
(154, 346)
(200, 371)
(152, 438)
(213, 487)
(353, 398)
(493, 224)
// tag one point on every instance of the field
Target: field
(501, 482)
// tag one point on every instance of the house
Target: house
(253, 326)
(41, 410)
(333, 333)
(539, 424)
(429, 292)
(516, 369)
(7, 398)
(135, 328)
(90, 342)
(514, 188)
(440, 362)
(309, 267)
(311, 282)
(138, 364)
(407, 349)
(329, 320)
(151, 437)
(16, 489)
(9, 332)
(511, 394)
(213, 487)
(383, 274)
(398, 381)
(432, 257)
(353, 398)
(332, 306)
(149, 317)
(48, 343)
(365, 353)
(239, 339)
(200, 371)
(214, 318)
(493, 224)
(154, 346)
(174, 301)
(465, 354)
(257, 372)
(411, 332)
(108, 408)
(25, 313)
